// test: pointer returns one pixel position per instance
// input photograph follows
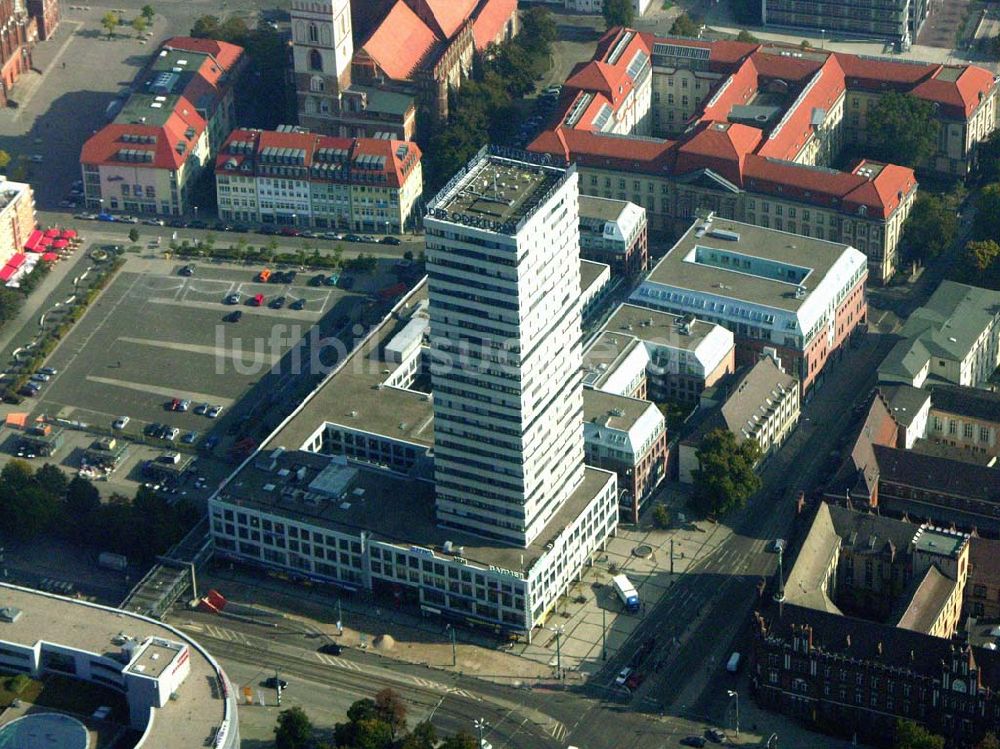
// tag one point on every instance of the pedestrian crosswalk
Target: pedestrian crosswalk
(557, 729)
(337, 662)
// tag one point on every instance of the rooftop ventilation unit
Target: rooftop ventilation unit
(730, 236)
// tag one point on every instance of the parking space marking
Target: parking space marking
(247, 357)
(338, 663)
(165, 392)
(263, 310)
(209, 286)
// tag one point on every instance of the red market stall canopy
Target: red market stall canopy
(51, 233)
(6, 272)
(69, 233)
(44, 242)
(17, 260)
(60, 244)
(33, 240)
(50, 257)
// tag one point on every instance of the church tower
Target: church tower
(322, 51)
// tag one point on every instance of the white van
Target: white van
(733, 665)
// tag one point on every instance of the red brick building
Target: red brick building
(46, 13)
(15, 49)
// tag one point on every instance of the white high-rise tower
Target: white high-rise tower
(504, 282)
(322, 50)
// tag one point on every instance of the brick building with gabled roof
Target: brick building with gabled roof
(169, 129)
(803, 106)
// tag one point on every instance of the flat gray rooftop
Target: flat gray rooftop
(494, 189)
(589, 273)
(392, 508)
(602, 209)
(153, 660)
(352, 396)
(195, 714)
(660, 328)
(781, 249)
(611, 410)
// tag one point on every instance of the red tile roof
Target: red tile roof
(106, 146)
(491, 19)
(719, 146)
(401, 42)
(445, 17)
(737, 89)
(959, 97)
(226, 54)
(756, 158)
(399, 157)
(791, 134)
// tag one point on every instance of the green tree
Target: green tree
(10, 304)
(986, 224)
(725, 478)
(982, 255)
(139, 23)
(661, 517)
(901, 129)
(206, 27)
(989, 741)
(930, 228)
(988, 159)
(294, 730)
(461, 740)
(133, 234)
(390, 709)
(4, 159)
(514, 65)
(148, 13)
(52, 480)
(746, 36)
(82, 499)
(618, 13)
(684, 26)
(110, 22)
(910, 735)
(538, 31)
(423, 736)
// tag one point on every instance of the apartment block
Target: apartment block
(796, 298)
(167, 132)
(614, 232)
(17, 217)
(294, 177)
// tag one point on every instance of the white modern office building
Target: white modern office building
(458, 488)
(503, 243)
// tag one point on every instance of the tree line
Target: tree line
(33, 503)
(378, 723)
(484, 109)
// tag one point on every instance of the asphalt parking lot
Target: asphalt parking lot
(155, 335)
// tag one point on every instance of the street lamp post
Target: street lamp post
(735, 695)
(480, 725)
(559, 631)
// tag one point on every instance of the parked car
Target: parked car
(190, 438)
(153, 221)
(214, 412)
(317, 280)
(234, 316)
(40, 377)
(390, 240)
(85, 216)
(187, 270)
(28, 392)
(120, 423)
(273, 682)
(297, 304)
(202, 408)
(695, 741)
(106, 217)
(51, 371)
(184, 405)
(256, 301)
(352, 238)
(171, 434)
(715, 735)
(128, 220)
(290, 231)
(277, 303)
(152, 430)
(267, 231)
(174, 403)
(623, 676)
(331, 648)
(233, 298)
(331, 235)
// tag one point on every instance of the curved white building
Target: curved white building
(177, 694)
